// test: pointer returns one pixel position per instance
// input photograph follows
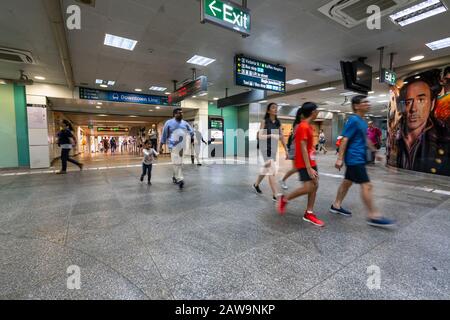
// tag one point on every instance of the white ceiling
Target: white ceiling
(24, 25)
(289, 32)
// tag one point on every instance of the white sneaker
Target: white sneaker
(283, 185)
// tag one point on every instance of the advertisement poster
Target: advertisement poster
(419, 123)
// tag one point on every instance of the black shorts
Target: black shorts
(304, 176)
(357, 174)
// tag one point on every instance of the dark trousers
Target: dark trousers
(147, 170)
(154, 143)
(65, 157)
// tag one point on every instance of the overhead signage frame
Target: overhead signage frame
(226, 14)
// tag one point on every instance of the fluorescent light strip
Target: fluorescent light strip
(414, 9)
(156, 88)
(119, 42)
(201, 61)
(296, 81)
(419, 12)
(439, 44)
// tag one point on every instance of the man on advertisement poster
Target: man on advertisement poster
(423, 142)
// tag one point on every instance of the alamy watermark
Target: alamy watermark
(74, 279)
(73, 21)
(374, 279)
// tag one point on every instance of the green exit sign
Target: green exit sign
(226, 14)
(388, 76)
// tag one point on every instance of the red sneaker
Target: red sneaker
(311, 218)
(282, 205)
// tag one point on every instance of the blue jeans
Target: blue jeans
(147, 170)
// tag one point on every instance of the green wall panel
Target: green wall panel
(23, 148)
(8, 138)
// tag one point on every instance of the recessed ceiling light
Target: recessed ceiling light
(133, 116)
(150, 110)
(439, 44)
(406, 82)
(201, 61)
(39, 78)
(418, 12)
(100, 103)
(168, 93)
(296, 81)
(102, 115)
(417, 77)
(103, 86)
(371, 92)
(156, 88)
(328, 89)
(158, 108)
(138, 90)
(194, 96)
(119, 42)
(98, 107)
(417, 58)
(216, 99)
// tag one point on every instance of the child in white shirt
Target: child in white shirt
(150, 155)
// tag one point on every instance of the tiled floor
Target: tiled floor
(217, 239)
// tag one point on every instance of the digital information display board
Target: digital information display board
(259, 74)
(188, 90)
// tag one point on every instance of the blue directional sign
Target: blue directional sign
(116, 96)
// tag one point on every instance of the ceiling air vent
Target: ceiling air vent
(351, 13)
(16, 56)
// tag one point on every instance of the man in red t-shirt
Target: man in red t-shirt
(305, 162)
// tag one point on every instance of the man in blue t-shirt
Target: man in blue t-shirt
(175, 134)
(353, 151)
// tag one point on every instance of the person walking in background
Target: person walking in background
(113, 145)
(353, 151)
(338, 144)
(374, 136)
(322, 142)
(291, 150)
(305, 162)
(66, 141)
(269, 136)
(174, 133)
(196, 145)
(153, 136)
(150, 155)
